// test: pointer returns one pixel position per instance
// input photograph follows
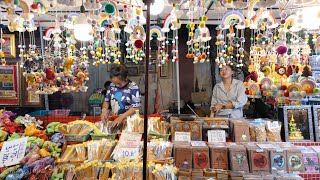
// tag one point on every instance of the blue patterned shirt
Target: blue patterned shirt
(122, 99)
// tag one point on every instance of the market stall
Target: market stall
(64, 49)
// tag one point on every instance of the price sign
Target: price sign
(215, 136)
(13, 151)
(182, 136)
(273, 125)
(198, 143)
(130, 153)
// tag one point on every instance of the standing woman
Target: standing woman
(228, 96)
(122, 95)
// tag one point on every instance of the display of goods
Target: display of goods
(194, 127)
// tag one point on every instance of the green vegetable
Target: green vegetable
(3, 135)
(35, 140)
(14, 136)
(19, 119)
(56, 176)
(52, 127)
(9, 170)
(53, 148)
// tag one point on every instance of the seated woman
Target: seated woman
(228, 96)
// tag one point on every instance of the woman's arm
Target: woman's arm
(104, 111)
(214, 97)
(241, 98)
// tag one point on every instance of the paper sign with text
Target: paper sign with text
(130, 153)
(182, 136)
(215, 136)
(273, 125)
(13, 151)
(198, 143)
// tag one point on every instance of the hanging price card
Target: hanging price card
(182, 136)
(215, 136)
(13, 151)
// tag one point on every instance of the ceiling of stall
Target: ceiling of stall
(213, 15)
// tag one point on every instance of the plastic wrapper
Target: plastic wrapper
(156, 126)
(274, 131)
(106, 128)
(162, 172)
(100, 150)
(159, 150)
(74, 153)
(126, 169)
(134, 123)
(258, 131)
(78, 127)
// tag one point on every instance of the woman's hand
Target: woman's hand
(104, 115)
(119, 120)
(229, 105)
(217, 108)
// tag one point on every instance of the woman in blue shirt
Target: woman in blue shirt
(122, 95)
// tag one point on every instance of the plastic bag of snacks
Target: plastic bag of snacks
(273, 131)
(258, 130)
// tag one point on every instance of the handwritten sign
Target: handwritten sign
(215, 136)
(130, 153)
(13, 151)
(182, 136)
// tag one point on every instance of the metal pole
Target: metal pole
(146, 90)
(46, 100)
(178, 76)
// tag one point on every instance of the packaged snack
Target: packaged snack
(273, 131)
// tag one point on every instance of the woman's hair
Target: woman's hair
(119, 71)
(107, 84)
(233, 68)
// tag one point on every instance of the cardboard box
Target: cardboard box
(183, 156)
(259, 160)
(194, 127)
(201, 158)
(310, 161)
(219, 156)
(238, 158)
(278, 159)
(295, 160)
(240, 131)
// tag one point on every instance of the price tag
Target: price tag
(13, 151)
(198, 143)
(265, 146)
(130, 153)
(273, 125)
(215, 136)
(182, 136)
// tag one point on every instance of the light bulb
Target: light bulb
(82, 28)
(157, 7)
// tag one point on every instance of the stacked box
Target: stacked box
(219, 156)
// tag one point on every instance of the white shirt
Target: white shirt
(236, 95)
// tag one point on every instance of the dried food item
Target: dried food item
(273, 131)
